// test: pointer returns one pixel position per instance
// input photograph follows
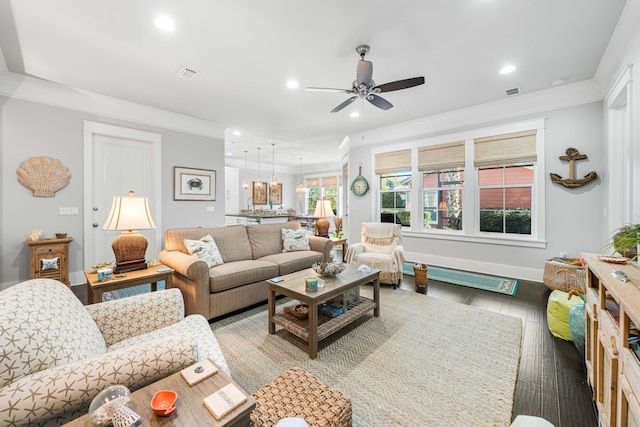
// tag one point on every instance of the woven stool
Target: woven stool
(298, 393)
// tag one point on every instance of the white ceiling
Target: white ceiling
(245, 51)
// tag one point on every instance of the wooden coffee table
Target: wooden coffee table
(96, 288)
(190, 410)
(317, 327)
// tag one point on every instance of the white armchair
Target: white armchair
(56, 354)
(381, 248)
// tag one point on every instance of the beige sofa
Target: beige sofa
(57, 355)
(252, 254)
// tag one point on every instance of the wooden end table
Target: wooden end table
(190, 410)
(340, 241)
(96, 288)
(318, 327)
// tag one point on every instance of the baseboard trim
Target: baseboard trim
(504, 270)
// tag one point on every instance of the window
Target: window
(442, 199)
(506, 182)
(395, 192)
(394, 169)
(442, 169)
(505, 198)
(322, 188)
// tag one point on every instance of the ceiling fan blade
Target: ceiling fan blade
(400, 84)
(365, 72)
(379, 101)
(328, 90)
(344, 104)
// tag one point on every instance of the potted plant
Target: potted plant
(625, 241)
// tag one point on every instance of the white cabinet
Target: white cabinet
(231, 190)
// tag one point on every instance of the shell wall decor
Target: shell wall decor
(43, 176)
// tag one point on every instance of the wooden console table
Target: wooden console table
(50, 249)
(612, 359)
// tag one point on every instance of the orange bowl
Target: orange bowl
(163, 402)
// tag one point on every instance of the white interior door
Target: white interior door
(118, 160)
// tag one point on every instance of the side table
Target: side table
(56, 252)
(96, 288)
(190, 409)
(340, 242)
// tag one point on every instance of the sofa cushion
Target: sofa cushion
(288, 262)
(204, 249)
(233, 274)
(44, 325)
(295, 240)
(266, 239)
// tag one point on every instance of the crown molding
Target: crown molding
(492, 112)
(41, 91)
(623, 42)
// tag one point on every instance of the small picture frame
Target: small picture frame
(194, 184)
(260, 193)
(275, 194)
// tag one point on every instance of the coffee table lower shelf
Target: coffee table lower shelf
(326, 325)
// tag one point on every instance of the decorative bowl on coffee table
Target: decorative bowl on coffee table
(329, 269)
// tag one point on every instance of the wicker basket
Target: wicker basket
(558, 275)
(420, 272)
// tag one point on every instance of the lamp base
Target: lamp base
(129, 249)
(322, 227)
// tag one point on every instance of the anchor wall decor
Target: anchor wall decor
(572, 182)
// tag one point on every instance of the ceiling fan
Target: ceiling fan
(364, 87)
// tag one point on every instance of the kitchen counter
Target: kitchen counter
(241, 218)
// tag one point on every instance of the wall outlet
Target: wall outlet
(68, 211)
(211, 209)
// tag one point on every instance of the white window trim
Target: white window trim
(470, 228)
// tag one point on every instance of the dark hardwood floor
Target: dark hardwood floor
(551, 380)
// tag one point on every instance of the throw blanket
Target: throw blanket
(379, 233)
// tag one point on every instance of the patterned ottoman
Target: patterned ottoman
(298, 393)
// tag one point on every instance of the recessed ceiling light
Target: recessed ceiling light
(557, 82)
(292, 84)
(229, 154)
(507, 69)
(236, 132)
(355, 114)
(164, 23)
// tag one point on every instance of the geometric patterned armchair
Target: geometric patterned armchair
(381, 248)
(56, 354)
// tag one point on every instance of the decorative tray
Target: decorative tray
(299, 311)
(614, 259)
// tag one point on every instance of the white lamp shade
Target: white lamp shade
(323, 209)
(129, 213)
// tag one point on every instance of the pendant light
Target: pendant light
(258, 180)
(274, 180)
(300, 186)
(245, 182)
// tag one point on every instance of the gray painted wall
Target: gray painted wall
(32, 129)
(574, 217)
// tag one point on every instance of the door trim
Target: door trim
(91, 129)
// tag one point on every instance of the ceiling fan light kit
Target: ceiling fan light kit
(364, 87)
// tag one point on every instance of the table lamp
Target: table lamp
(323, 210)
(129, 214)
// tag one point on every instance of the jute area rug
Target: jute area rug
(423, 362)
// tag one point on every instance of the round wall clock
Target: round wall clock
(360, 186)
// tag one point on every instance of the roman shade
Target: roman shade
(393, 162)
(517, 147)
(329, 181)
(441, 156)
(313, 182)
